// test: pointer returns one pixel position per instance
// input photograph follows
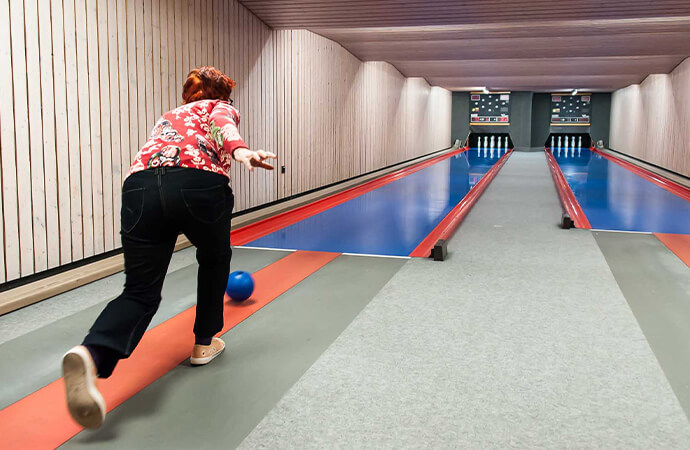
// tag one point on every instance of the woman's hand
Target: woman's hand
(252, 159)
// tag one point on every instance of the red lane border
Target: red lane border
(41, 419)
(672, 187)
(447, 226)
(679, 244)
(565, 194)
(266, 226)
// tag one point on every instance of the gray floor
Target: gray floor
(38, 352)
(40, 314)
(656, 284)
(266, 355)
(522, 339)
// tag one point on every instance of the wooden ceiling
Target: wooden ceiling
(534, 45)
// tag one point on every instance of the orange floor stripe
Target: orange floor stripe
(41, 420)
(678, 244)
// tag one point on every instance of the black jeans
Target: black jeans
(158, 204)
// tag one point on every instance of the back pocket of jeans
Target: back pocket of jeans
(206, 205)
(132, 208)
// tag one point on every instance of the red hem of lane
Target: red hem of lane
(568, 200)
(679, 244)
(447, 226)
(41, 419)
(672, 187)
(249, 233)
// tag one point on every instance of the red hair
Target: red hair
(207, 83)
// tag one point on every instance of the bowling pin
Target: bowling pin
(559, 142)
(565, 146)
(492, 142)
(579, 142)
(573, 142)
(552, 138)
(486, 141)
(499, 142)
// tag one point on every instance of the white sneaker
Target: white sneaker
(204, 354)
(85, 403)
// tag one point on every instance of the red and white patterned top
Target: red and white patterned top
(199, 135)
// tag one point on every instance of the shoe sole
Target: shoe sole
(85, 403)
(203, 361)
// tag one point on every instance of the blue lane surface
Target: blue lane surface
(613, 198)
(391, 220)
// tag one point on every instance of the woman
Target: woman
(177, 183)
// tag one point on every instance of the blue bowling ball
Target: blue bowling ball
(240, 285)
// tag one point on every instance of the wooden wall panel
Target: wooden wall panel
(651, 121)
(357, 116)
(86, 80)
(8, 162)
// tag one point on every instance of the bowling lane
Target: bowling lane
(613, 198)
(393, 219)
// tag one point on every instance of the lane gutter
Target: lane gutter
(572, 210)
(671, 186)
(434, 244)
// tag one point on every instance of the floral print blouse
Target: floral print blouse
(199, 135)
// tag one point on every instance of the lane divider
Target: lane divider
(266, 226)
(671, 186)
(445, 229)
(565, 194)
(41, 420)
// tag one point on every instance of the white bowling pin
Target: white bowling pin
(573, 142)
(492, 142)
(579, 142)
(559, 142)
(486, 141)
(552, 138)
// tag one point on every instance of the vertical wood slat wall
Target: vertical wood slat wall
(650, 120)
(84, 81)
(339, 117)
